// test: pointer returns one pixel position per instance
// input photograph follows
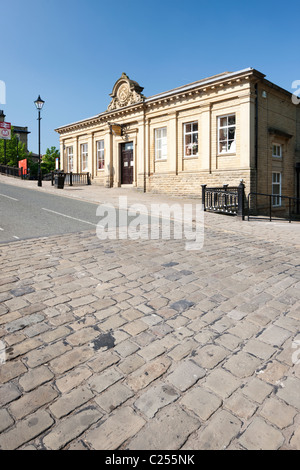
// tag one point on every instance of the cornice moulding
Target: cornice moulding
(161, 99)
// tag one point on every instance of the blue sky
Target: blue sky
(72, 52)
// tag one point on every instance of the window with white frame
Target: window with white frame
(100, 155)
(70, 158)
(84, 157)
(227, 134)
(276, 189)
(277, 150)
(161, 147)
(191, 139)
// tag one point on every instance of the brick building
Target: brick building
(215, 131)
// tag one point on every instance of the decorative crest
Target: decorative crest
(125, 92)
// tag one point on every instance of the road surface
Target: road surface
(28, 213)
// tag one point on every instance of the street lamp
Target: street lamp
(18, 140)
(39, 103)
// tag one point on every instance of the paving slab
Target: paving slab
(142, 344)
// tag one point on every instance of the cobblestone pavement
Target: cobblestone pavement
(122, 344)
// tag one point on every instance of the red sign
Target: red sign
(5, 130)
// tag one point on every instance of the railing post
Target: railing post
(52, 178)
(203, 196)
(71, 178)
(241, 200)
(88, 178)
(248, 206)
(225, 187)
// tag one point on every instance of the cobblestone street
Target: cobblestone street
(123, 344)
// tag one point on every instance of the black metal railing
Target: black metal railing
(72, 179)
(272, 206)
(225, 200)
(11, 171)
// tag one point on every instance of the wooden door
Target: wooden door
(127, 163)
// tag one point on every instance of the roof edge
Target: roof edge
(190, 86)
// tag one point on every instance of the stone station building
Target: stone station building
(220, 130)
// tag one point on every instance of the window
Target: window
(191, 139)
(277, 150)
(100, 155)
(161, 143)
(128, 146)
(84, 157)
(276, 189)
(226, 134)
(70, 158)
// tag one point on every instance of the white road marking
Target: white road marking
(1, 229)
(17, 238)
(8, 197)
(69, 217)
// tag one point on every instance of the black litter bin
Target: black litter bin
(59, 181)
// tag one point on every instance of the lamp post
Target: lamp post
(18, 140)
(39, 103)
(2, 119)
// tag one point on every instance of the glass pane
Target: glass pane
(222, 146)
(231, 120)
(232, 146)
(188, 139)
(128, 146)
(188, 128)
(223, 134)
(188, 145)
(231, 133)
(223, 121)
(195, 126)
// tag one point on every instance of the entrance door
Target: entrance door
(127, 163)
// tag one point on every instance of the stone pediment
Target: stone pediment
(125, 92)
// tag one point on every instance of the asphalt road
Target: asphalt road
(27, 213)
